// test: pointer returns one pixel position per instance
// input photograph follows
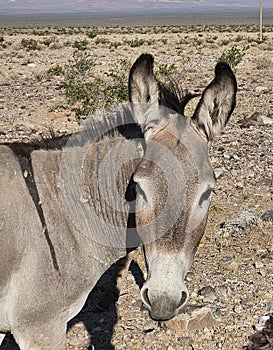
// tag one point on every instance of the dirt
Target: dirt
(232, 273)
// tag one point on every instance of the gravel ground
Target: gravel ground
(232, 274)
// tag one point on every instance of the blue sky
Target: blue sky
(123, 5)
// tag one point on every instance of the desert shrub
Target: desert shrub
(233, 56)
(225, 42)
(209, 40)
(48, 41)
(239, 38)
(92, 34)
(197, 42)
(256, 40)
(117, 90)
(87, 92)
(42, 32)
(80, 64)
(165, 70)
(3, 44)
(136, 42)
(102, 41)
(115, 44)
(30, 44)
(61, 30)
(80, 44)
(56, 70)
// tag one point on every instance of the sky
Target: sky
(125, 5)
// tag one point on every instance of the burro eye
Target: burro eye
(199, 208)
(205, 196)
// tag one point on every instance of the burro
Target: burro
(135, 175)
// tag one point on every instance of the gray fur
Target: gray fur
(172, 204)
(51, 261)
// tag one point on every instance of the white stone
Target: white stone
(263, 120)
(260, 89)
(218, 172)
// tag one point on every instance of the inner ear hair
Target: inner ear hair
(217, 101)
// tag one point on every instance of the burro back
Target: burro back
(137, 175)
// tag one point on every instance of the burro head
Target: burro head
(174, 180)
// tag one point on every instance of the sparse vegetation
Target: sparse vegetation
(91, 82)
(3, 44)
(102, 41)
(56, 70)
(92, 34)
(115, 44)
(87, 92)
(48, 41)
(165, 70)
(233, 56)
(80, 44)
(136, 42)
(30, 44)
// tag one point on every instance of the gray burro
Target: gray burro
(71, 207)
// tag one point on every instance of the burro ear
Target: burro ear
(143, 86)
(217, 101)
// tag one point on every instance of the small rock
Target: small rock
(200, 319)
(206, 291)
(248, 121)
(208, 294)
(261, 323)
(150, 326)
(224, 290)
(258, 265)
(260, 89)
(232, 266)
(189, 277)
(187, 322)
(263, 120)
(241, 220)
(218, 172)
(238, 308)
(266, 181)
(239, 185)
(267, 215)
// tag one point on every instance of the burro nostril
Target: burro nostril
(145, 298)
(184, 299)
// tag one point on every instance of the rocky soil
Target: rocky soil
(230, 282)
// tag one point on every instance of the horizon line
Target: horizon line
(22, 11)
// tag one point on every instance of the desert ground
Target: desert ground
(231, 279)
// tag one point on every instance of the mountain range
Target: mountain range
(45, 6)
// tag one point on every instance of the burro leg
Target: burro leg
(45, 337)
